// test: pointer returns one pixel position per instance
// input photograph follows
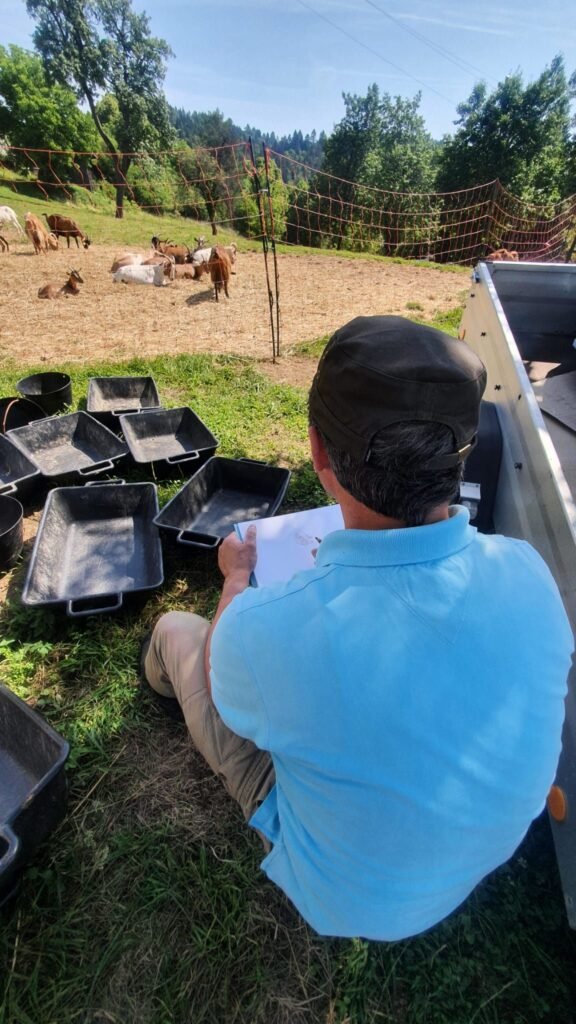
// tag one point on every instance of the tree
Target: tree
(102, 46)
(35, 115)
(380, 144)
(275, 208)
(519, 134)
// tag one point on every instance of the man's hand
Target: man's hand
(237, 558)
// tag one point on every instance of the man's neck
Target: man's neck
(358, 517)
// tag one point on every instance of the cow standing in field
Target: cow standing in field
(66, 228)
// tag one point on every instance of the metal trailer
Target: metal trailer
(521, 320)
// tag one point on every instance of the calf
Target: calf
(4, 247)
(63, 226)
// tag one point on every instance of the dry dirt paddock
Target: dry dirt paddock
(114, 321)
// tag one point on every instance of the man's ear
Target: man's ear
(319, 457)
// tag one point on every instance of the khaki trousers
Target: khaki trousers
(174, 667)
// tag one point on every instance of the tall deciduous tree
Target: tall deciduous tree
(519, 134)
(381, 142)
(37, 116)
(102, 46)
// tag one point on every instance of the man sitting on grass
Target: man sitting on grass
(389, 721)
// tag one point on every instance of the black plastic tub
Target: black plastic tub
(18, 412)
(32, 785)
(223, 492)
(74, 444)
(171, 437)
(94, 546)
(18, 474)
(111, 397)
(11, 531)
(52, 391)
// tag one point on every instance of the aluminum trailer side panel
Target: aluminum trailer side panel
(535, 498)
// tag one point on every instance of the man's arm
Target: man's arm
(236, 560)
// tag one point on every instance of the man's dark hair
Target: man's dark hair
(397, 480)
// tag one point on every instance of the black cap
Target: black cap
(379, 370)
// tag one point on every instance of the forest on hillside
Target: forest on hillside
(86, 109)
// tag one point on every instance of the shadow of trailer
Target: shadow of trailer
(521, 320)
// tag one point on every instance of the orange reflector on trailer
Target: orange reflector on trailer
(556, 802)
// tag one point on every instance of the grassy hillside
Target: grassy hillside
(98, 221)
(94, 212)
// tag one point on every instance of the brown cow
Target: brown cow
(67, 228)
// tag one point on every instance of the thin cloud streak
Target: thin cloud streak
(449, 23)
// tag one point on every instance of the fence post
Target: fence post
(273, 243)
(258, 192)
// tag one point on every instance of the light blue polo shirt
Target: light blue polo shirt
(410, 690)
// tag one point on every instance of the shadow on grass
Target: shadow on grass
(199, 297)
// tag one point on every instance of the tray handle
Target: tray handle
(8, 488)
(257, 462)
(213, 542)
(184, 457)
(82, 606)
(126, 412)
(102, 483)
(9, 857)
(98, 467)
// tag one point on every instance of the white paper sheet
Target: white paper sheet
(287, 544)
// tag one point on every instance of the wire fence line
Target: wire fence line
(272, 198)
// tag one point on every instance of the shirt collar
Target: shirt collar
(399, 547)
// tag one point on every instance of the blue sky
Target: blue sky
(282, 65)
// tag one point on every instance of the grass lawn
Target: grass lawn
(147, 905)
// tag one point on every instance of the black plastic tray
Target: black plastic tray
(94, 545)
(223, 492)
(75, 443)
(110, 397)
(173, 436)
(18, 474)
(32, 785)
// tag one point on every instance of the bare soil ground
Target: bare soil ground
(116, 321)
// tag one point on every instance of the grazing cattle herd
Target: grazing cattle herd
(165, 261)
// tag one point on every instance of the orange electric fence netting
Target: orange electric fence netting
(274, 198)
(228, 187)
